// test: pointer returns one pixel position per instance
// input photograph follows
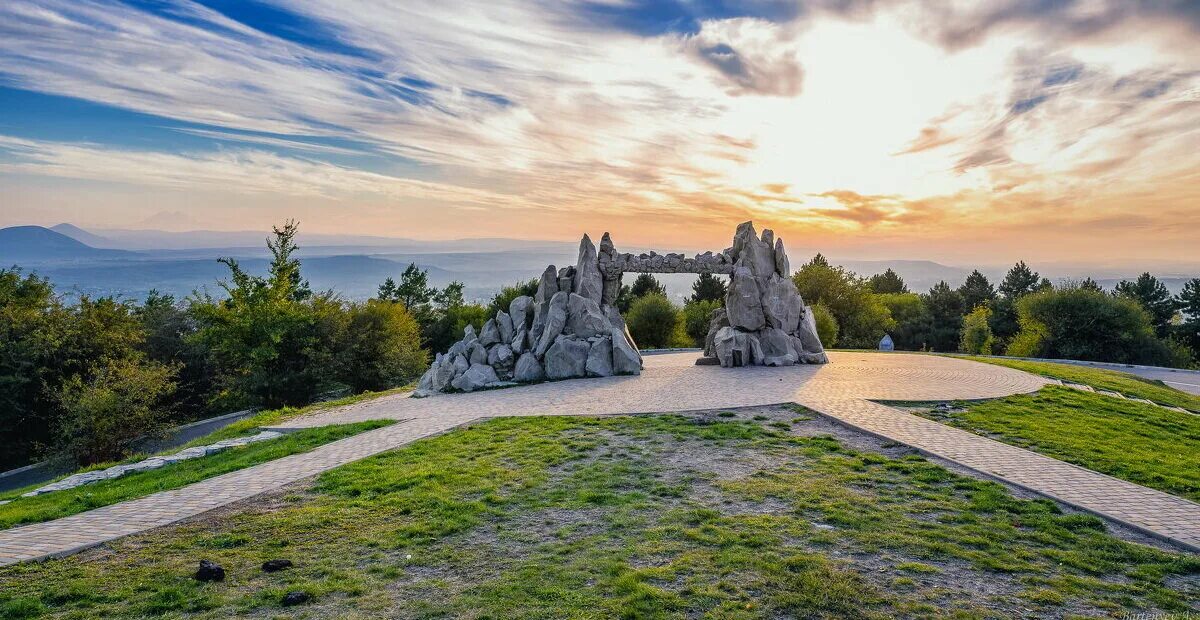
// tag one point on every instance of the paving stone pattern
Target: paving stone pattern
(842, 389)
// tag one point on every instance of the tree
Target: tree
(504, 298)
(381, 347)
(696, 316)
(708, 287)
(285, 270)
(862, 319)
(1188, 302)
(271, 343)
(827, 325)
(33, 324)
(644, 284)
(1153, 297)
(1082, 324)
(107, 414)
(1020, 281)
(945, 312)
(1091, 285)
(913, 323)
(647, 284)
(887, 282)
(413, 290)
(976, 333)
(976, 291)
(651, 321)
(169, 339)
(450, 296)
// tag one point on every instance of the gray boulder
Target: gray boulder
(567, 358)
(490, 334)
(528, 369)
(584, 318)
(469, 334)
(716, 321)
(781, 303)
(737, 348)
(520, 310)
(809, 339)
(743, 301)
(556, 320)
(460, 364)
(777, 347)
(588, 282)
(600, 358)
(566, 279)
(505, 324)
(745, 232)
(478, 354)
(547, 286)
(758, 257)
(477, 376)
(782, 266)
(520, 341)
(625, 357)
(501, 358)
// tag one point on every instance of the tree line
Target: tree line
(89, 380)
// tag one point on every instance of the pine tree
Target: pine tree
(887, 282)
(646, 284)
(707, 288)
(976, 291)
(1153, 296)
(1020, 281)
(946, 311)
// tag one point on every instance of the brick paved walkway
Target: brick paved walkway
(670, 383)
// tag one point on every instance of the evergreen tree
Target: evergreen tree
(646, 284)
(818, 261)
(707, 288)
(1154, 297)
(946, 313)
(976, 291)
(285, 270)
(887, 282)
(1188, 302)
(1020, 281)
(1089, 284)
(413, 290)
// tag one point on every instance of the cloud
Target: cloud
(754, 57)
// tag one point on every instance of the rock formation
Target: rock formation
(764, 322)
(571, 327)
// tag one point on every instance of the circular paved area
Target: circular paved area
(672, 382)
(844, 390)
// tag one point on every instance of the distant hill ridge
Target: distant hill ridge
(37, 243)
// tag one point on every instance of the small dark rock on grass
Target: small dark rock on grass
(274, 566)
(296, 598)
(210, 571)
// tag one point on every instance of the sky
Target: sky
(1050, 130)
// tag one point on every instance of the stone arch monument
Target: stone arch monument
(571, 327)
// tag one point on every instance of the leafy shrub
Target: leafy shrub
(381, 347)
(696, 315)
(104, 416)
(651, 320)
(827, 325)
(1079, 323)
(976, 332)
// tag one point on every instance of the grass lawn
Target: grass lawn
(131, 486)
(1104, 379)
(1141, 443)
(758, 514)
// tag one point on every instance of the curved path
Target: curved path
(843, 390)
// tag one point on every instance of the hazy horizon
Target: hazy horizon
(967, 134)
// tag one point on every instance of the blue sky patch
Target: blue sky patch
(657, 17)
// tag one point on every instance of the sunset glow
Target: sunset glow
(996, 131)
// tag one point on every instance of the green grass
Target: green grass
(626, 517)
(1104, 379)
(1134, 441)
(67, 502)
(246, 426)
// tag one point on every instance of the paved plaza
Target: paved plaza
(844, 390)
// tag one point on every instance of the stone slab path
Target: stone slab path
(842, 390)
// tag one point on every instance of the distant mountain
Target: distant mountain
(83, 236)
(24, 245)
